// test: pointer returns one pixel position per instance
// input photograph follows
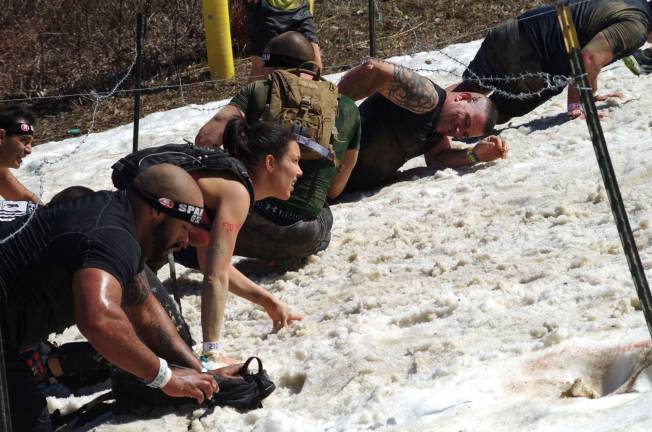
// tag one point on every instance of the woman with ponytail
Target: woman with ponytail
(271, 157)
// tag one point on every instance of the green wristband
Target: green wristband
(472, 157)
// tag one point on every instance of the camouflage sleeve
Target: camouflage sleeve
(348, 123)
(251, 99)
(241, 100)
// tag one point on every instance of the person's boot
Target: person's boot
(639, 63)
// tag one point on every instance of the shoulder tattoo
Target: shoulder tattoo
(411, 91)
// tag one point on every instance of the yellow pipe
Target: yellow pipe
(312, 7)
(217, 30)
(567, 27)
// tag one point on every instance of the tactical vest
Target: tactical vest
(308, 109)
(185, 156)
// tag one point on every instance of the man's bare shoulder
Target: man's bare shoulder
(5, 173)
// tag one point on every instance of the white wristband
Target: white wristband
(164, 375)
(210, 346)
(168, 377)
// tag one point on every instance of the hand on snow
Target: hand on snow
(604, 97)
(282, 316)
(491, 148)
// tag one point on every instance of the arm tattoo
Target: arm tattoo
(163, 339)
(137, 291)
(216, 248)
(231, 227)
(411, 91)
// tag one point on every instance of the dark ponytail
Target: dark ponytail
(250, 143)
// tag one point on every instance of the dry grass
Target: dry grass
(65, 46)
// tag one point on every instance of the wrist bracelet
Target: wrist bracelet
(472, 157)
(210, 346)
(164, 375)
(574, 106)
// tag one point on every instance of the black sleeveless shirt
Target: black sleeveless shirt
(392, 135)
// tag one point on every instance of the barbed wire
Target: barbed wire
(46, 162)
(551, 83)
(415, 48)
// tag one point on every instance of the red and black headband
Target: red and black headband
(21, 128)
(178, 210)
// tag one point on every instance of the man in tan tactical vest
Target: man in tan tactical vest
(327, 126)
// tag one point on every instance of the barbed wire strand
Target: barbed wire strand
(553, 83)
(98, 99)
(446, 42)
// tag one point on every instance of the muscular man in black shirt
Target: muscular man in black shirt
(532, 44)
(407, 115)
(74, 264)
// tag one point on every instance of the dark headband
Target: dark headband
(183, 211)
(19, 129)
(282, 61)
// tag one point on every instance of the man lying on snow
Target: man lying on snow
(407, 115)
(327, 126)
(532, 43)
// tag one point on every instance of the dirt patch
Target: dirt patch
(62, 63)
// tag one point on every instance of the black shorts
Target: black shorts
(263, 239)
(507, 53)
(265, 22)
(29, 411)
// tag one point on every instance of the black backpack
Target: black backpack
(186, 156)
(244, 393)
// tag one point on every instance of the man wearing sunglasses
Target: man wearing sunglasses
(16, 135)
(76, 263)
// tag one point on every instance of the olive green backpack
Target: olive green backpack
(308, 109)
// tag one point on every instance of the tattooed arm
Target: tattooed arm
(401, 85)
(230, 199)
(110, 329)
(153, 324)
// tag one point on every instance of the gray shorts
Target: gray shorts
(260, 238)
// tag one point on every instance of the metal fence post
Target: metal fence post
(139, 72)
(604, 161)
(372, 28)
